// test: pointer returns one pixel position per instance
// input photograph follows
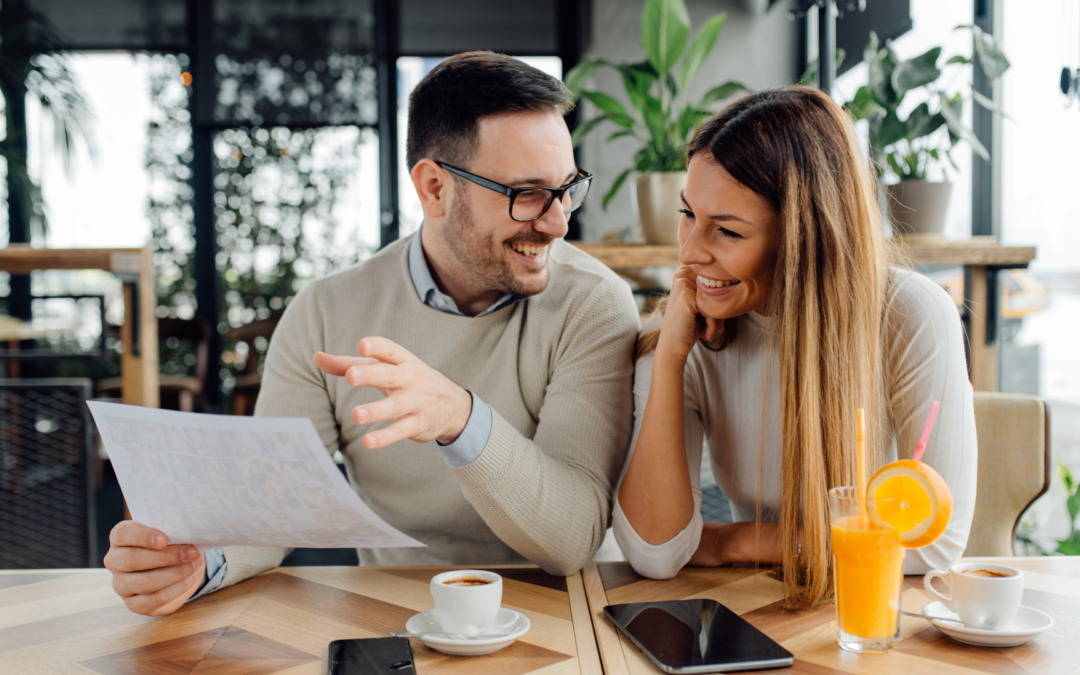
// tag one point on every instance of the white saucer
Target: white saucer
(509, 626)
(1029, 623)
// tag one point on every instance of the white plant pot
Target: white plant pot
(658, 205)
(917, 210)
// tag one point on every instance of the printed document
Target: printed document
(223, 480)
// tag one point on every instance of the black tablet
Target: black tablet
(696, 636)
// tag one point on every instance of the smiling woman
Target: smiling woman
(783, 320)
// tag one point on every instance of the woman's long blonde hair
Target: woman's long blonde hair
(796, 148)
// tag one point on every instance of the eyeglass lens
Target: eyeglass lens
(531, 204)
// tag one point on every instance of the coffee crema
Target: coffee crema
(467, 581)
(985, 573)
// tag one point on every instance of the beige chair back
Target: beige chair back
(1014, 467)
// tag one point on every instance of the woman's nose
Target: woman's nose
(692, 251)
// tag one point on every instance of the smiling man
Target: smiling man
(489, 409)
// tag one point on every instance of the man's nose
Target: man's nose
(555, 221)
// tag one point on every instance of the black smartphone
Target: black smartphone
(696, 636)
(373, 656)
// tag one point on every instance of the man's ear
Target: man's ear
(433, 187)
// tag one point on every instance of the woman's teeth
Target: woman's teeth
(529, 250)
(715, 283)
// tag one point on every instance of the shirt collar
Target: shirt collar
(429, 292)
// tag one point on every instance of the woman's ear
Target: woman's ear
(432, 186)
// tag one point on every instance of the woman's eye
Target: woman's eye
(728, 234)
(686, 213)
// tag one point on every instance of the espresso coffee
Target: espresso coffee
(467, 581)
(985, 573)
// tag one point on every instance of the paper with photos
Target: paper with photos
(222, 480)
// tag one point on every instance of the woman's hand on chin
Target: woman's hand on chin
(683, 325)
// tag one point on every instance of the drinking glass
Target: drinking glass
(868, 564)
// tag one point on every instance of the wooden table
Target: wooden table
(981, 257)
(1051, 584)
(134, 266)
(70, 621)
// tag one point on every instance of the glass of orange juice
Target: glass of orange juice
(868, 563)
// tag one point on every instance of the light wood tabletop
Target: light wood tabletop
(70, 621)
(1050, 584)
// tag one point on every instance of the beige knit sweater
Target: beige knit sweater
(556, 370)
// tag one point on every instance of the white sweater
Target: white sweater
(724, 394)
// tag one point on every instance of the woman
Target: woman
(782, 321)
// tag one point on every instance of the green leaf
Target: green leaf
(952, 109)
(638, 78)
(988, 104)
(577, 77)
(917, 72)
(615, 188)
(891, 131)
(921, 123)
(881, 66)
(619, 134)
(721, 92)
(1073, 504)
(584, 128)
(895, 165)
(656, 123)
(1070, 546)
(699, 49)
(612, 108)
(689, 120)
(665, 27)
(958, 59)
(1066, 478)
(862, 106)
(991, 59)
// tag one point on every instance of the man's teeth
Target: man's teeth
(529, 250)
(714, 283)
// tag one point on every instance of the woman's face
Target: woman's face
(729, 236)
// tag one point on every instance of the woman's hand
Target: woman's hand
(683, 325)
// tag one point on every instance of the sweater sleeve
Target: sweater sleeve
(662, 561)
(549, 497)
(925, 362)
(292, 386)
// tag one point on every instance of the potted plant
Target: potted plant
(660, 115)
(911, 150)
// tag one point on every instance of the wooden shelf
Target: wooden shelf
(970, 252)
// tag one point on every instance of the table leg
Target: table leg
(982, 352)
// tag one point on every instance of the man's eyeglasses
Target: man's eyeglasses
(529, 203)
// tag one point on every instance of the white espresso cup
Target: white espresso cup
(978, 595)
(464, 604)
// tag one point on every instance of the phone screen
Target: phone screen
(373, 656)
(691, 636)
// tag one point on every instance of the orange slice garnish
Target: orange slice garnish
(920, 502)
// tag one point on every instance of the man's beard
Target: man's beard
(487, 261)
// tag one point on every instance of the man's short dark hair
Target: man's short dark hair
(447, 104)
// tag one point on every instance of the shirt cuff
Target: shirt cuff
(473, 438)
(215, 572)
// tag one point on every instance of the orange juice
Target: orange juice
(869, 569)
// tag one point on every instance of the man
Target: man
(489, 411)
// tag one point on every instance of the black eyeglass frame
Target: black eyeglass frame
(512, 192)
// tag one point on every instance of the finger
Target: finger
(337, 365)
(151, 581)
(384, 350)
(135, 559)
(406, 427)
(711, 327)
(130, 533)
(390, 408)
(685, 272)
(168, 599)
(379, 375)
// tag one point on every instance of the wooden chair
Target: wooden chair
(1014, 468)
(178, 392)
(246, 390)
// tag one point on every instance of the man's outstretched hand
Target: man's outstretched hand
(151, 575)
(424, 404)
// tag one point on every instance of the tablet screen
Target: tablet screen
(684, 635)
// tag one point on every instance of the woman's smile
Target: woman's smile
(715, 287)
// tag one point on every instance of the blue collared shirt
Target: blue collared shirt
(474, 436)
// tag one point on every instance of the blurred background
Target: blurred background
(257, 145)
